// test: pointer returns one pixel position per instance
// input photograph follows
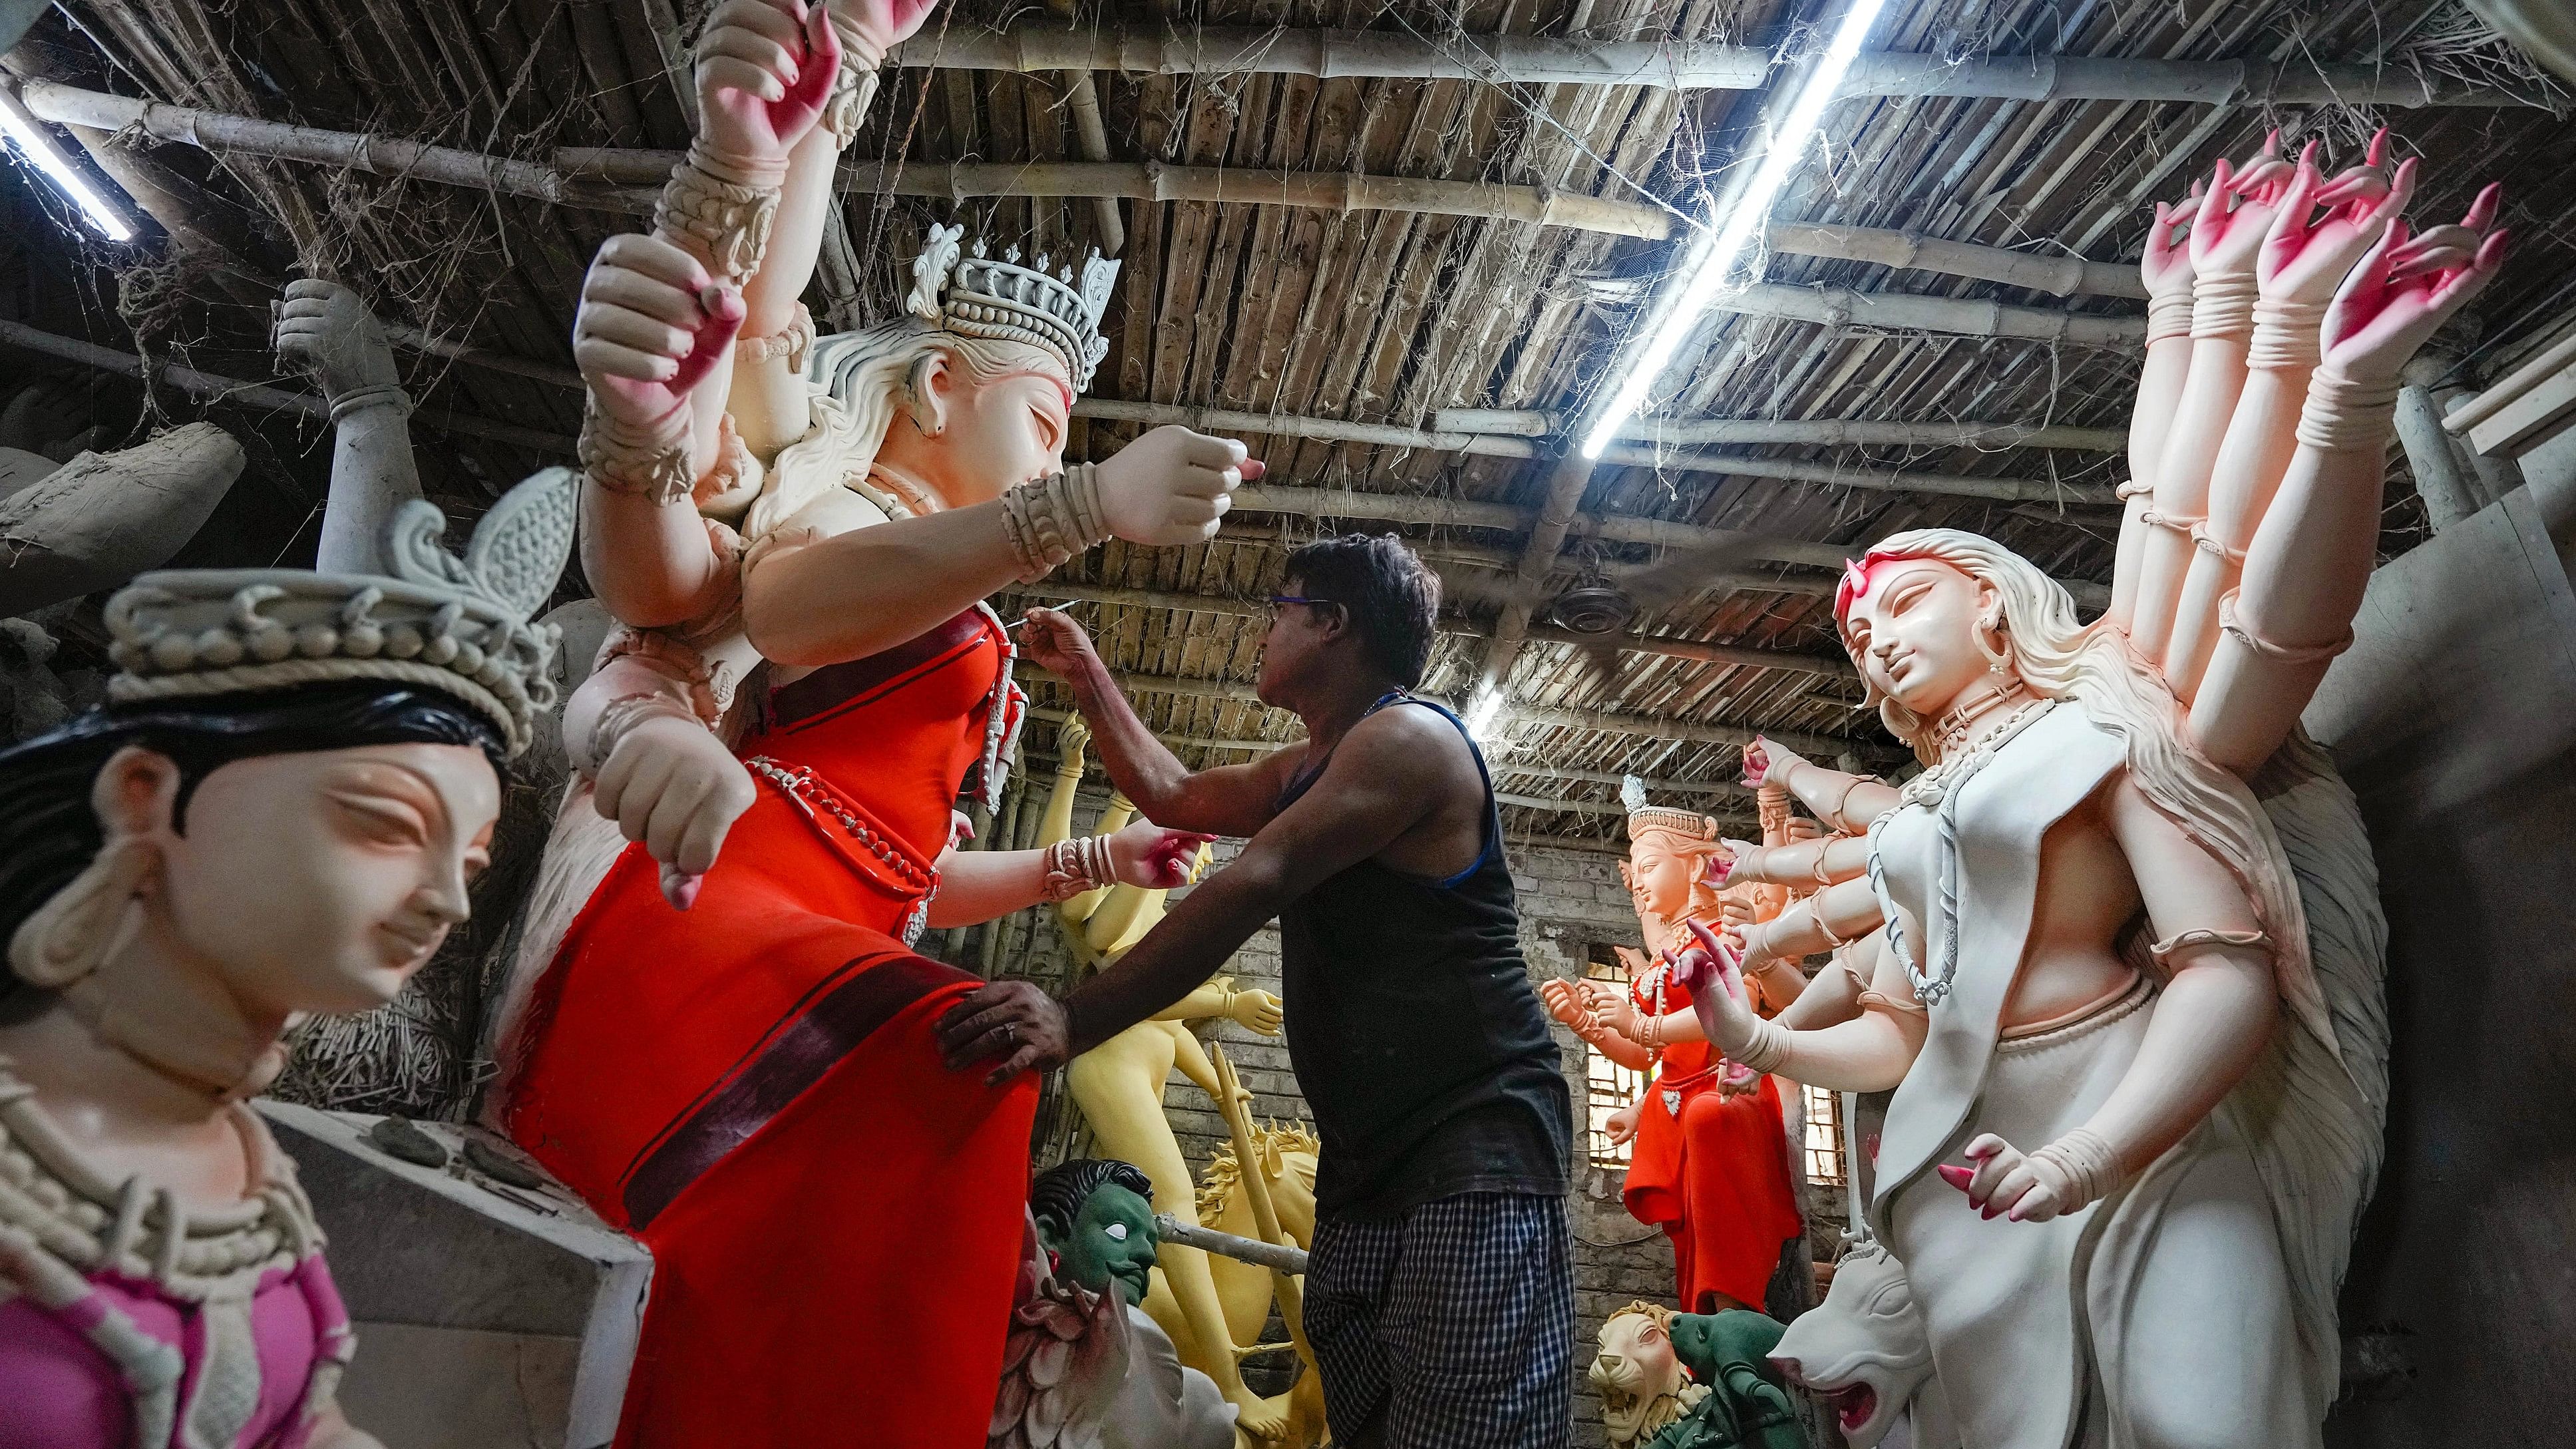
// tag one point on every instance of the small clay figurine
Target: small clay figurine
(1096, 1221)
(278, 812)
(1693, 1381)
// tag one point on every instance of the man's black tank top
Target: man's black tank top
(1415, 1033)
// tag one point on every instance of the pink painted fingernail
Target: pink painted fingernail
(1958, 1177)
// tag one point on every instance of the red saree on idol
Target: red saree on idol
(1711, 1170)
(752, 1088)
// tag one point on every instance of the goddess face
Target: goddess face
(1913, 632)
(321, 880)
(973, 438)
(1111, 1240)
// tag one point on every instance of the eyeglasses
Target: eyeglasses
(1276, 600)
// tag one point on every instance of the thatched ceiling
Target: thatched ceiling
(1376, 316)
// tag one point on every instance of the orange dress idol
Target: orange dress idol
(751, 1086)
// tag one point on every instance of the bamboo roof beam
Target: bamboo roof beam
(1734, 655)
(1836, 475)
(1602, 721)
(1680, 65)
(1727, 789)
(1426, 511)
(1805, 432)
(627, 182)
(215, 388)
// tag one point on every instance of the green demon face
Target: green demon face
(1112, 1237)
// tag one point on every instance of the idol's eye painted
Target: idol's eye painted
(381, 818)
(1117, 1232)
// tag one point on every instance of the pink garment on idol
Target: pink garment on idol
(126, 1320)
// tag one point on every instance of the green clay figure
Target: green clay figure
(1693, 1381)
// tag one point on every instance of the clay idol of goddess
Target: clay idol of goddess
(2127, 993)
(720, 1036)
(278, 812)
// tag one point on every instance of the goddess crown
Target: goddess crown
(1642, 817)
(1002, 299)
(426, 618)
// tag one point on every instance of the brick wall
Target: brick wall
(1569, 901)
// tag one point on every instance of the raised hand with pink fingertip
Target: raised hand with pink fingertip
(2237, 211)
(2402, 292)
(2166, 267)
(651, 327)
(765, 70)
(2308, 250)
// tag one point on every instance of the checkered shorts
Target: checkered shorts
(1452, 1324)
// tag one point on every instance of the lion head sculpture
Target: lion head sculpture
(1642, 1385)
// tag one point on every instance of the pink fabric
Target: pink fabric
(63, 1392)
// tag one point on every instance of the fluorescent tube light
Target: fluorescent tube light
(1715, 253)
(32, 143)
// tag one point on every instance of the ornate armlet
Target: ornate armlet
(792, 342)
(2265, 648)
(2085, 1163)
(857, 86)
(1052, 520)
(724, 203)
(1071, 867)
(2168, 317)
(2222, 306)
(2287, 335)
(650, 461)
(2346, 414)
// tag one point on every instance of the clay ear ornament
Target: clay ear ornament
(79, 925)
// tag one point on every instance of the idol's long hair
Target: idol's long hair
(2094, 666)
(50, 831)
(872, 375)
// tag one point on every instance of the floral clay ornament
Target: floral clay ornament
(278, 812)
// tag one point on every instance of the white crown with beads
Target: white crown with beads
(461, 626)
(981, 297)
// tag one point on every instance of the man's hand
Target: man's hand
(765, 68)
(1013, 1020)
(1053, 642)
(322, 328)
(652, 325)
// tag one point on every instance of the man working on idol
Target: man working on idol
(1412, 1025)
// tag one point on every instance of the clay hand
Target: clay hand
(652, 326)
(872, 27)
(672, 785)
(765, 68)
(2402, 292)
(2303, 261)
(51, 418)
(1012, 1020)
(1766, 763)
(1566, 1002)
(2237, 211)
(1256, 1011)
(1053, 642)
(1733, 858)
(1147, 856)
(1623, 1123)
(1172, 486)
(322, 328)
(2007, 1183)
(2166, 267)
(1711, 971)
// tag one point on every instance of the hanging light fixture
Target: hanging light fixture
(30, 141)
(1714, 254)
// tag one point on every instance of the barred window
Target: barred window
(1610, 1086)
(1824, 1136)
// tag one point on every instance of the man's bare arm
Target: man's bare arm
(1235, 800)
(1369, 796)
